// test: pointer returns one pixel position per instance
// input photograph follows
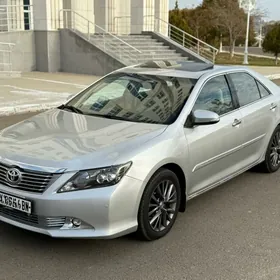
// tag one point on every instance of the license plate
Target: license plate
(15, 203)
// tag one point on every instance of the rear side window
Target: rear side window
(263, 91)
(246, 88)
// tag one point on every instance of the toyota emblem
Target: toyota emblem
(13, 176)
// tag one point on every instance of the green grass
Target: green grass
(224, 58)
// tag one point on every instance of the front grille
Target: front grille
(32, 219)
(30, 181)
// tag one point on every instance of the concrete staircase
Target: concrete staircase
(150, 48)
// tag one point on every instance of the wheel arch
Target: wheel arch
(182, 179)
(178, 171)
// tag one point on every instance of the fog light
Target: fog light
(76, 222)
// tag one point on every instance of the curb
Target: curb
(273, 77)
(23, 109)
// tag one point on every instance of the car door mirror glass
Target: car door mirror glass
(204, 117)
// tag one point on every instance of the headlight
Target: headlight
(96, 178)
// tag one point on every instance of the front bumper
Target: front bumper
(105, 212)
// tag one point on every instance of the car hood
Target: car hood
(65, 140)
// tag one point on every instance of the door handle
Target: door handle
(236, 122)
(273, 106)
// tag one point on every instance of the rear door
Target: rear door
(258, 110)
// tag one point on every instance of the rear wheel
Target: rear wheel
(159, 205)
(272, 156)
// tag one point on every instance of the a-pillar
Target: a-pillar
(142, 16)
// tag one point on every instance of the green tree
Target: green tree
(271, 42)
(229, 19)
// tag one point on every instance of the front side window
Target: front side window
(246, 88)
(136, 98)
(215, 96)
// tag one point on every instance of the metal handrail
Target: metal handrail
(13, 17)
(104, 32)
(186, 33)
(6, 57)
(193, 44)
(116, 21)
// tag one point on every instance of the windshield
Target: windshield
(136, 98)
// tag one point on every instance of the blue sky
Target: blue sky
(271, 6)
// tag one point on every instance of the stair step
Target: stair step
(135, 36)
(157, 57)
(150, 49)
(140, 60)
(131, 42)
(138, 45)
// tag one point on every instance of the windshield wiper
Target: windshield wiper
(111, 117)
(71, 108)
(115, 118)
(108, 117)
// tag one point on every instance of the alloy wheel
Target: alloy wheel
(275, 150)
(162, 205)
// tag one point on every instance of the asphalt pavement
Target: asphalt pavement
(229, 233)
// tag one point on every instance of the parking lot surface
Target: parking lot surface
(229, 233)
(36, 90)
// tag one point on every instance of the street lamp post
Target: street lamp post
(246, 62)
(248, 6)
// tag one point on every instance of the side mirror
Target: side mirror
(204, 117)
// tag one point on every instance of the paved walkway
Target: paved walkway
(37, 91)
(270, 72)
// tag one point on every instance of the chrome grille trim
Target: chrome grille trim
(31, 181)
(32, 219)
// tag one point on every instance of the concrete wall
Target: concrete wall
(79, 56)
(23, 56)
(47, 51)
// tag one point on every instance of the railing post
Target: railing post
(66, 19)
(198, 48)
(73, 20)
(88, 31)
(214, 56)
(184, 39)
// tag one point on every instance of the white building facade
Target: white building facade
(114, 16)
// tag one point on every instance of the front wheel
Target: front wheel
(159, 206)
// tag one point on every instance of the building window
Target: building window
(26, 8)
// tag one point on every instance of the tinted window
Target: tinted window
(246, 88)
(263, 91)
(215, 96)
(136, 98)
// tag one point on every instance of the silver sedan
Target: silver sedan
(127, 153)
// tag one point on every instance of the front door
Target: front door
(215, 151)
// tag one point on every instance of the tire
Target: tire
(272, 163)
(157, 213)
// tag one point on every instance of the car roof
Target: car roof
(180, 69)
